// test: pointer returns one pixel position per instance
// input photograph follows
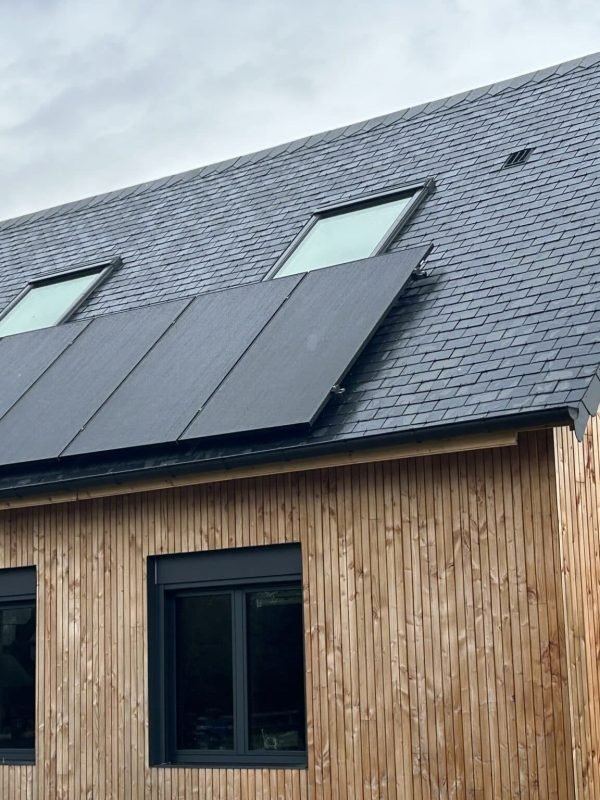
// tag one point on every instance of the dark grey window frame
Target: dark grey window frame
(18, 586)
(104, 267)
(231, 571)
(417, 191)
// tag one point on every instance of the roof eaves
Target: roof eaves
(60, 475)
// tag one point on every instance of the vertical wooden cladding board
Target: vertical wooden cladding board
(432, 630)
(578, 473)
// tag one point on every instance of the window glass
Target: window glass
(275, 670)
(17, 676)
(344, 236)
(203, 673)
(45, 304)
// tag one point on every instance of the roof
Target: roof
(505, 326)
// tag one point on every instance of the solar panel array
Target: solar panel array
(253, 358)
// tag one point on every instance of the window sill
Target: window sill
(234, 763)
(12, 758)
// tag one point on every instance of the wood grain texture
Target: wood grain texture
(454, 444)
(433, 617)
(578, 476)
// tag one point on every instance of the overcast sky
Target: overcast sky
(95, 96)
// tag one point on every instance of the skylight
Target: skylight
(349, 232)
(48, 301)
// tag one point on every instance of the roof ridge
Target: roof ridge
(516, 82)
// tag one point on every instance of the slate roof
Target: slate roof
(506, 323)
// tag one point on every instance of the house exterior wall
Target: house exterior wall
(433, 629)
(578, 473)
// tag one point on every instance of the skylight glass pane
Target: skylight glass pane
(347, 236)
(45, 304)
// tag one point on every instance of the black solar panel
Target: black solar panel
(286, 376)
(59, 404)
(24, 357)
(163, 394)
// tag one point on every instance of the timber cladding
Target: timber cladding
(578, 475)
(433, 629)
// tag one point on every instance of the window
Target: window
(17, 665)
(350, 232)
(226, 659)
(50, 300)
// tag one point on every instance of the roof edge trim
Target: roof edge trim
(43, 488)
(587, 408)
(457, 444)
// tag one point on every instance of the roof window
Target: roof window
(51, 299)
(349, 232)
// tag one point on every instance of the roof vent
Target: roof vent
(518, 157)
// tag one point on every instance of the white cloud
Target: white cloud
(97, 96)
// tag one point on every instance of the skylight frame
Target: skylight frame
(103, 267)
(417, 192)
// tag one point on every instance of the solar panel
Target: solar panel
(24, 357)
(285, 378)
(163, 394)
(248, 359)
(56, 407)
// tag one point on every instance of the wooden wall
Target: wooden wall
(433, 630)
(578, 471)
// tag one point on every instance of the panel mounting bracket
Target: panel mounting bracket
(419, 271)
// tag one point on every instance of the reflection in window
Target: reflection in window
(244, 642)
(346, 234)
(17, 676)
(275, 670)
(48, 301)
(204, 678)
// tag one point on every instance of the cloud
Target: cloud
(97, 96)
